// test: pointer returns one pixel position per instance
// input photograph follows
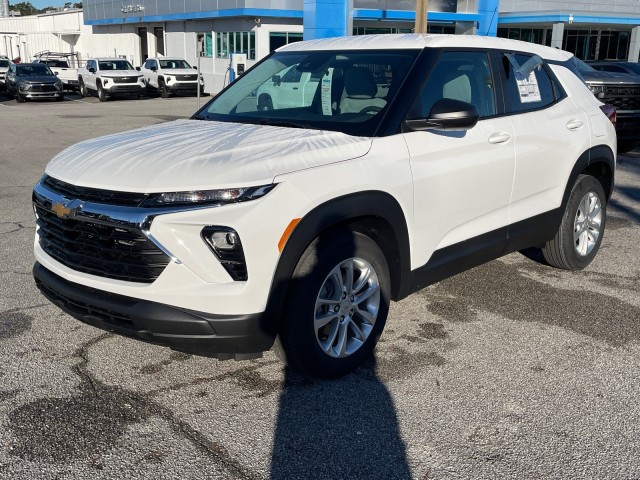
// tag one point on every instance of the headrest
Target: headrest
(359, 83)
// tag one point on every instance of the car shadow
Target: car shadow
(345, 428)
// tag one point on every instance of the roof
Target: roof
(419, 41)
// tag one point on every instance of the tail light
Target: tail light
(609, 111)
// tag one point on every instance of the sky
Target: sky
(41, 3)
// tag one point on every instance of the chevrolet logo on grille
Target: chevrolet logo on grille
(67, 210)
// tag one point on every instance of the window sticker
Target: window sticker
(528, 88)
(325, 94)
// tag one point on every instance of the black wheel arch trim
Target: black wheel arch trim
(337, 213)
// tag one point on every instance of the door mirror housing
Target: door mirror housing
(277, 80)
(446, 114)
(92, 70)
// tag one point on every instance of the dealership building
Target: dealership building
(208, 31)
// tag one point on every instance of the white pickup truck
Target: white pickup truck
(64, 65)
(108, 77)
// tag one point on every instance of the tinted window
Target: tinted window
(611, 68)
(464, 76)
(4, 63)
(525, 93)
(29, 69)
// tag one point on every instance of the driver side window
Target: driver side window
(464, 76)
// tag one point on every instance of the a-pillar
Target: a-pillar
(634, 45)
(557, 35)
(327, 18)
(488, 23)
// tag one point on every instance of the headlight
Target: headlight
(59, 85)
(207, 197)
(25, 86)
(598, 90)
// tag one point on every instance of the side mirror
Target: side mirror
(154, 69)
(446, 114)
(277, 80)
(138, 68)
(195, 68)
(92, 70)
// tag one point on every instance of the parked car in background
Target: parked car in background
(4, 67)
(166, 76)
(108, 77)
(622, 90)
(241, 227)
(33, 81)
(64, 65)
(617, 67)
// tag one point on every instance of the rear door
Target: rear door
(551, 133)
(462, 179)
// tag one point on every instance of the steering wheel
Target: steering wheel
(370, 109)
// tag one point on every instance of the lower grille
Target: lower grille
(125, 79)
(104, 250)
(43, 88)
(186, 78)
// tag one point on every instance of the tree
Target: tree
(25, 8)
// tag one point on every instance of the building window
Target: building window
(531, 35)
(236, 42)
(431, 28)
(279, 39)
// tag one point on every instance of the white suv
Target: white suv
(167, 76)
(108, 77)
(244, 226)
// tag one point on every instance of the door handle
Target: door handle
(295, 88)
(574, 124)
(499, 138)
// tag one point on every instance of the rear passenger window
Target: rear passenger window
(524, 94)
(464, 76)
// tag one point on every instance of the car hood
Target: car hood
(609, 78)
(198, 155)
(37, 79)
(120, 73)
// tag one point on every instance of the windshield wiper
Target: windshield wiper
(282, 124)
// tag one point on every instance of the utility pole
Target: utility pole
(422, 7)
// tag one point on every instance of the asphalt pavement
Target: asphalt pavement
(511, 370)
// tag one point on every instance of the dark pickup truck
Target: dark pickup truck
(622, 90)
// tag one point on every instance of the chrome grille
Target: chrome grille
(622, 97)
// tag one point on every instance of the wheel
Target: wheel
(580, 234)
(19, 97)
(337, 305)
(84, 91)
(102, 96)
(164, 91)
(625, 146)
(9, 93)
(264, 102)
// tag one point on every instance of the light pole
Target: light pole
(422, 7)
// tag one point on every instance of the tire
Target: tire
(102, 96)
(19, 97)
(264, 102)
(9, 93)
(84, 91)
(333, 337)
(625, 146)
(164, 91)
(578, 239)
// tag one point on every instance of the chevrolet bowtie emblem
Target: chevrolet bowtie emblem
(66, 210)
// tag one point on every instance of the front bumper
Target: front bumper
(189, 331)
(135, 89)
(627, 125)
(184, 87)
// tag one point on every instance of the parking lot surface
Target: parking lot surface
(511, 370)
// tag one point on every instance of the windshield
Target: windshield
(30, 69)
(346, 91)
(582, 67)
(634, 67)
(174, 64)
(115, 65)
